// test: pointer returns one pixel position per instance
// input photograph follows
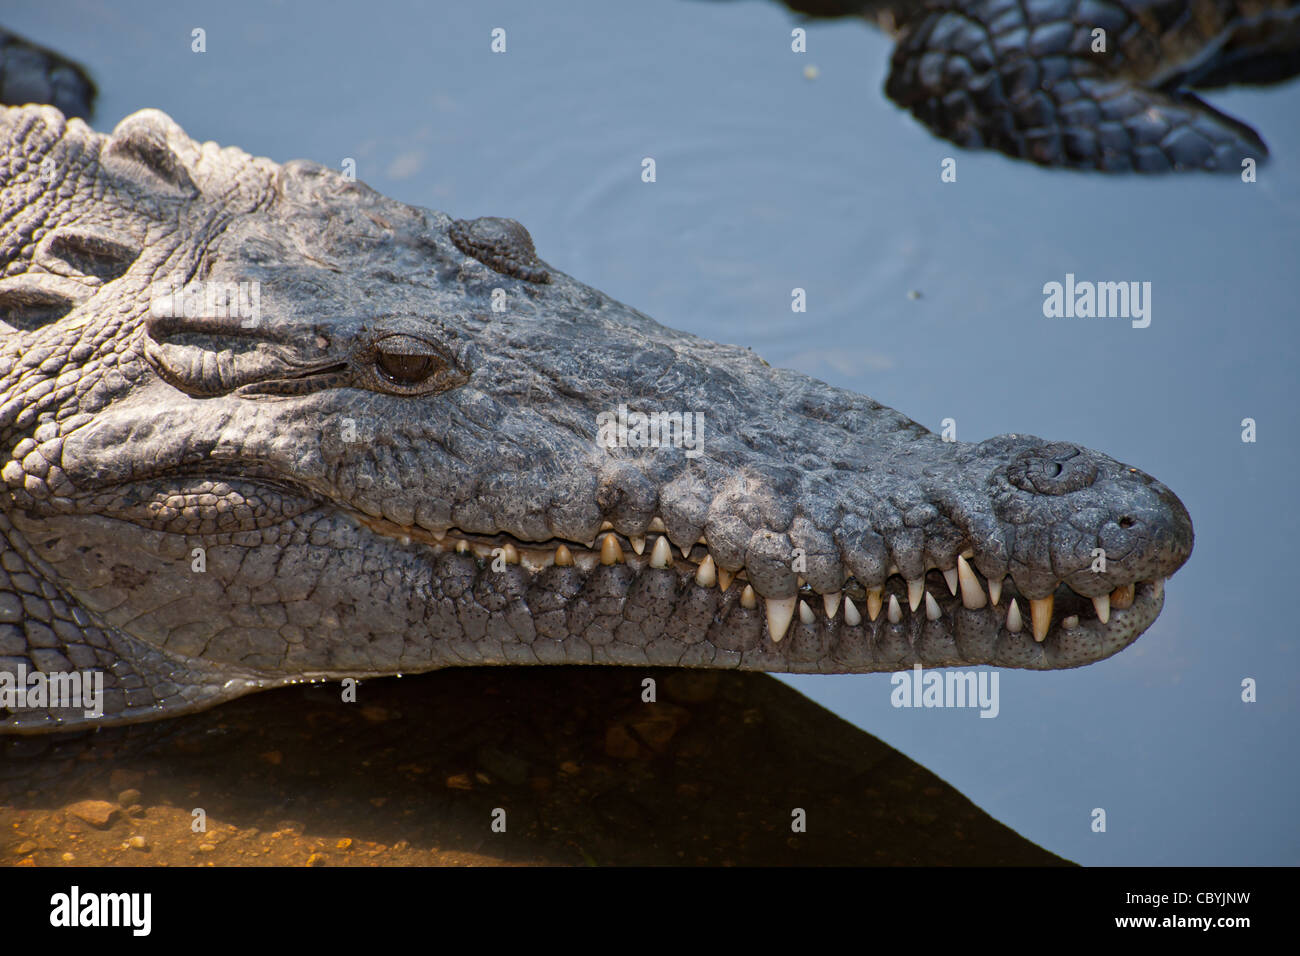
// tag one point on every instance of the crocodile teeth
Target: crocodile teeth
(895, 612)
(725, 578)
(780, 612)
(563, 557)
(831, 604)
(462, 546)
(638, 542)
(1014, 622)
(915, 592)
(995, 591)
(875, 599)
(610, 551)
(510, 553)
(972, 595)
(1102, 607)
(1071, 622)
(706, 575)
(851, 616)
(606, 526)
(932, 611)
(1040, 610)
(806, 614)
(657, 525)
(748, 599)
(951, 577)
(660, 557)
(1122, 597)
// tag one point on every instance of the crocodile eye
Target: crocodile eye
(405, 360)
(405, 369)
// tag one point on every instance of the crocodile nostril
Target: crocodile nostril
(1126, 522)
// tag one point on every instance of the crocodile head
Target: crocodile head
(262, 425)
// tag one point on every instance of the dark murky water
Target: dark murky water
(768, 180)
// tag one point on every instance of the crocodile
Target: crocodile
(1086, 84)
(261, 425)
(30, 73)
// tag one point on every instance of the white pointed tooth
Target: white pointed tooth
(1014, 622)
(660, 556)
(968, 554)
(657, 525)
(563, 557)
(510, 553)
(915, 592)
(831, 603)
(748, 599)
(995, 590)
(638, 543)
(606, 526)
(1071, 622)
(806, 614)
(951, 577)
(875, 600)
(1040, 609)
(1102, 606)
(895, 611)
(851, 616)
(462, 546)
(932, 611)
(780, 612)
(972, 595)
(1157, 588)
(725, 578)
(706, 575)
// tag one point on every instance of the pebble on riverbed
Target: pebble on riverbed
(98, 813)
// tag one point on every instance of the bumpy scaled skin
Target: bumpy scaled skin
(347, 463)
(1029, 78)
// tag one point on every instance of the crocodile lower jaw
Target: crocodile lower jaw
(963, 587)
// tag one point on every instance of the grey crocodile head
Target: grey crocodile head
(399, 446)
